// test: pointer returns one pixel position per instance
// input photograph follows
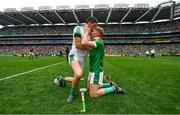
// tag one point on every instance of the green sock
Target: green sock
(105, 81)
(109, 90)
(61, 77)
(73, 90)
(105, 85)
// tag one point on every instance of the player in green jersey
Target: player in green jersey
(96, 64)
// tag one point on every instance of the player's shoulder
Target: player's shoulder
(99, 42)
(77, 27)
(77, 32)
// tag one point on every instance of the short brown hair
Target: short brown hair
(100, 30)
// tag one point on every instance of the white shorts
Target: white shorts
(81, 59)
(31, 53)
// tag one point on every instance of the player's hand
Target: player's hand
(87, 29)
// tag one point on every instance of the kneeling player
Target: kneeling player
(96, 85)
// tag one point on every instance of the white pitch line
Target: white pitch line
(30, 71)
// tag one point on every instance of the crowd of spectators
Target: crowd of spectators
(14, 47)
(28, 30)
(139, 50)
(35, 42)
(138, 28)
(69, 41)
(176, 26)
(38, 49)
(123, 50)
(110, 28)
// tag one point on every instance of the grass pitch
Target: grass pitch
(152, 86)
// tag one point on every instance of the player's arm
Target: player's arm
(77, 35)
(87, 48)
(78, 42)
(80, 46)
(87, 43)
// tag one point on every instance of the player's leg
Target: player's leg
(67, 57)
(110, 81)
(97, 91)
(105, 84)
(77, 74)
(77, 64)
(75, 81)
(30, 56)
(96, 82)
(69, 79)
(74, 62)
(93, 89)
(76, 69)
(61, 81)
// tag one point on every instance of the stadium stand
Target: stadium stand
(129, 31)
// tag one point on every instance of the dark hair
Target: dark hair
(91, 19)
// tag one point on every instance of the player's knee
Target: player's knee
(98, 93)
(79, 74)
(93, 94)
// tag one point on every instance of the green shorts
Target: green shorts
(96, 78)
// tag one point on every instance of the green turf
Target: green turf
(152, 86)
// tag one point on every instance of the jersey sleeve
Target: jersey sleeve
(98, 43)
(77, 31)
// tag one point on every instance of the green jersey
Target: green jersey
(96, 57)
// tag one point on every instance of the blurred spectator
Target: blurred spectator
(123, 50)
(67, 53)
(152, 53)
(147, 53)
